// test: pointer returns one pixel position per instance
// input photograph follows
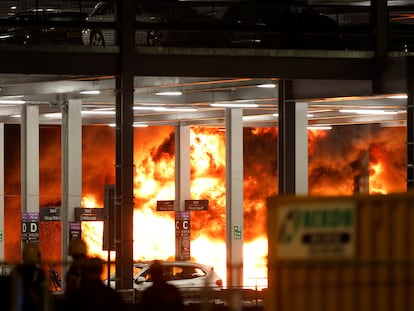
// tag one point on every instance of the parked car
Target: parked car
(175, 24)
(279, 24)
(185, 275)
(45, 26)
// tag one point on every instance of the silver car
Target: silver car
(166, 24)
(186, 275)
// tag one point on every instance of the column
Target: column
(71, 168)
(301, 147)
(182, 189)
(292, 143)
(125, 145)
(410, 122)
(30, 158)
(2, 192)
(234, 200)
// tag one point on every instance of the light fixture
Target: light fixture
(367, 111)
(98, 112)
(90, 92)
(309, 115)
(135, 124)
(263, 117)
(169, 93)
(321, 127)
(53, 115)
(267, 85)
(140, 124)
(399, 96)
(242, 103)
(12, 101)
(181, 109)
(150, 108)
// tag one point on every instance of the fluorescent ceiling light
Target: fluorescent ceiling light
(15, 116)
(12, 101)
(91, 92)
(140, 124)
(150, 108)
(322, 127)
(136, 124)
(309, 115)
(401, 96)
(267, 85)
(183, 109)
(242, 103)
(229, 105)
(169, 93)
(258, 118)
(367, 111)
(98, 112)
(53, 115)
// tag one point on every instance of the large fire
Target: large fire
(332, 170)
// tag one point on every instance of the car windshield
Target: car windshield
(136, 269)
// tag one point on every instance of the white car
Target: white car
(105, 12)
(185, 275)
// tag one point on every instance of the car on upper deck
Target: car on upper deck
(43, 26)
(158, 23)
(280, 25)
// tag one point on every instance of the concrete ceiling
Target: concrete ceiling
(49, 91)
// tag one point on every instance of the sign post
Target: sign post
(182, 224)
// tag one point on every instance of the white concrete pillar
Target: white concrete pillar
(30, 158)
(182, 166)
(182, 192)
(2, 192)
(301, 147)
(234, 196)
(71, 167)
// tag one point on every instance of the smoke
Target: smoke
(98, 160)
(335, 159)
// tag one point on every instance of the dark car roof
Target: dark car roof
(52, 15)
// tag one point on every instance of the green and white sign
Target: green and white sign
(237, 232)
(316, 230)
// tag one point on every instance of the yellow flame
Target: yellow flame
(375, 185)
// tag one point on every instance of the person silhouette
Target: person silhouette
(160, 295)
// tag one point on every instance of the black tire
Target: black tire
(97, 38)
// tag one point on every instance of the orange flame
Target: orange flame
(331, 171)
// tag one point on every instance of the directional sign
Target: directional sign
(165, 205)
(196, 205)
(50, 214)
(75, 230)
(88, 214)
(182, 236)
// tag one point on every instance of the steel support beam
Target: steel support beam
(410, 122)
(125, 145)
(2, 192)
